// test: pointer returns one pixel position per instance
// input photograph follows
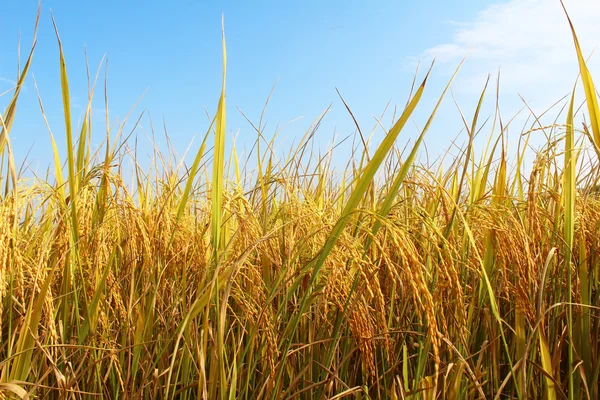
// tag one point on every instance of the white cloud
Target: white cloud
(530, 41)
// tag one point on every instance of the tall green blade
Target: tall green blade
(219, 161)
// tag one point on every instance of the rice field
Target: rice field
(388, 279)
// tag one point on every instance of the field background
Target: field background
(474, 277)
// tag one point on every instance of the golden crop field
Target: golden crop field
(390, 279)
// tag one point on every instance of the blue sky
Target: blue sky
(171, 51)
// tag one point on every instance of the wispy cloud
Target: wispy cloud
(529, 41)
(7, 82)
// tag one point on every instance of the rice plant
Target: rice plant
(390, 278)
